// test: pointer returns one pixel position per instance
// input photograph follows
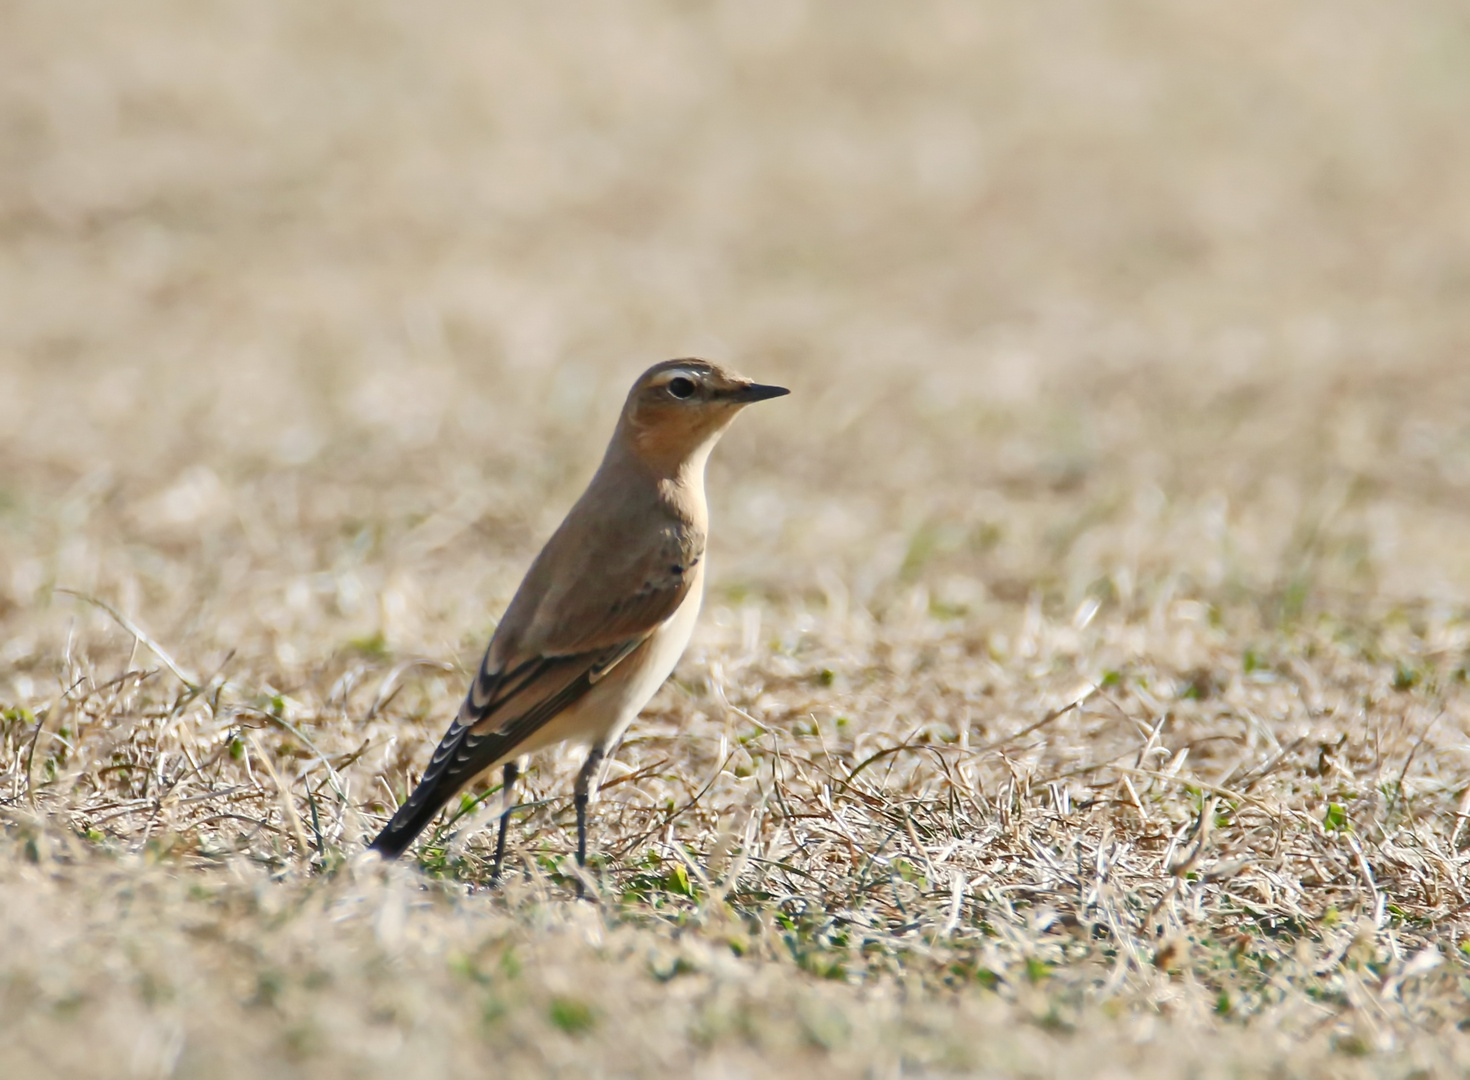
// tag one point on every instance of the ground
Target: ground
(1081, 690)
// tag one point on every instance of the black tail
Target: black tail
(441, 783)
(410, 820)
(462, 754)
(460, 757)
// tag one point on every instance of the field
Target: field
(1082, 687)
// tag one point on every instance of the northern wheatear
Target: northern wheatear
(606, 609)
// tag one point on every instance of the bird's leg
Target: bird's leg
(512, 771)
(590, 769)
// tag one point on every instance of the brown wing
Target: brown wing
(509, 701)
(623, 590)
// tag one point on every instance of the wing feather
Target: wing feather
(558, 638)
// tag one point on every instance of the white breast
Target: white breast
(667, 645)
(605, 712)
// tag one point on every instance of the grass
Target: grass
(1082, 690)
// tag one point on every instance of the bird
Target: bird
(605, 610)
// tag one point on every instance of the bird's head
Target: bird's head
(677, 409)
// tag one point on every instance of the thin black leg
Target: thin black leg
(590, 769)
(512, 771)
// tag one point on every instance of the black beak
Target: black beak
(756, 392)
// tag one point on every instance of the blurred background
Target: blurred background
(1129, 343)
(314, 319)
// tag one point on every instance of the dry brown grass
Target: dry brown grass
(1082, 690)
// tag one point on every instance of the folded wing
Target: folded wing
(514, 695)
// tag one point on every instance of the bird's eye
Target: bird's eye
(681, 387)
